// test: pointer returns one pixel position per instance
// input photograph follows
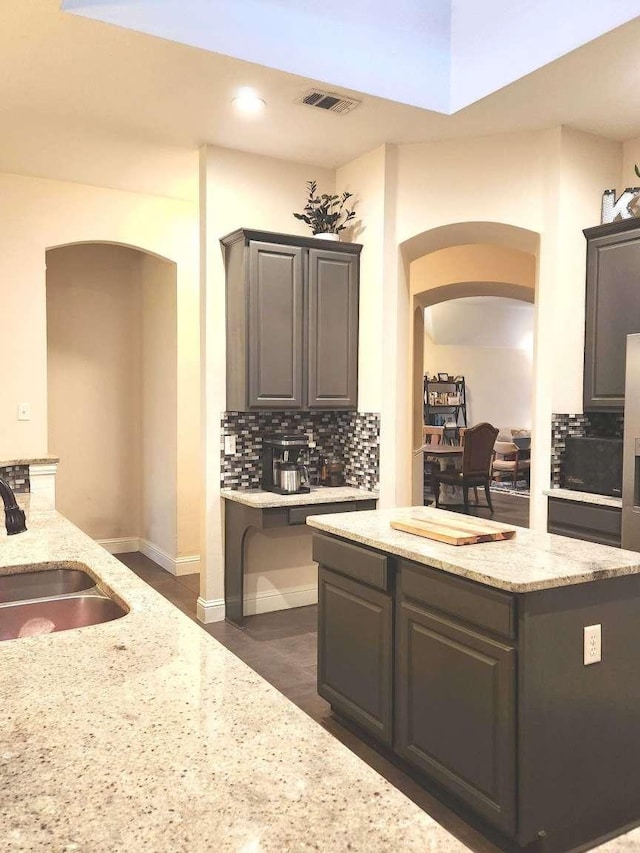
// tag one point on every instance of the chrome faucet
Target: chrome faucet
(14, 516)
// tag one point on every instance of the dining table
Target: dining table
(449, 495)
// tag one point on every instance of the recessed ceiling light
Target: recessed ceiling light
(248, 102)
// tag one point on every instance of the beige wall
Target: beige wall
(630, 156)
(546, 186)
(366, 178)
(498, 381)
(237, 190)
(38, 214)
(159, 403)
(94, 375)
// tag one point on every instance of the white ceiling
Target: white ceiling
(485, 321)
(85, 101)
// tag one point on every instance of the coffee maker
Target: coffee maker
(283, 465)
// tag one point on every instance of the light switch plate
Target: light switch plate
(229, 445)
(592, 644)
(24, 412)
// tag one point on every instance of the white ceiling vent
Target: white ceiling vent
(329, 101)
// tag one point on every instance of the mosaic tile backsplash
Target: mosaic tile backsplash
(595, 424)
(352, 437)
(17, 476)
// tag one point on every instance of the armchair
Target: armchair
(508, 460)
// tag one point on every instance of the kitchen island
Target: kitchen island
(473, 666)
(145, 733)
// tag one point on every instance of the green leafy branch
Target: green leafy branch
(326, 214)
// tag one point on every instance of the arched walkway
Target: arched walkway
(454, 261)
(112, 355)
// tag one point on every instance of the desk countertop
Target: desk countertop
(318, 495)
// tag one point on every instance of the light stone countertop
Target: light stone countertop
(146, 733)
(527, 562)
(584, 497)
(318, 495)
(40, 460)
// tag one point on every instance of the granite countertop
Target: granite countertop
(529, 561)
(146, 733)
(318, 495)
(584, 497)
(39, 460)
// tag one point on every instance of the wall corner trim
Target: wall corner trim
(174, 565)
(211, 610)
(125, 545)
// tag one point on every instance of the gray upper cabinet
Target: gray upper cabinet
(292, 322)
(333, 330)
(612, 311)
(276, 293)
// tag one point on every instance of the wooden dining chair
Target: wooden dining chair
(477, 457)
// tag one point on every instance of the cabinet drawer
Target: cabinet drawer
(475, 604)
(364, 565)
(589, 521)
(299, 514)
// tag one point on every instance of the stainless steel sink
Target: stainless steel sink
(49, 615)
(57, 599)
(43, 584)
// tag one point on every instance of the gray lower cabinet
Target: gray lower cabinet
(455, 705)
(424, 663)
(491, 702)
(591, 522)
(292, 322)
(355, 624)
(612, 311)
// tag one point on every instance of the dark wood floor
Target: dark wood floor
(508, 509)
(281, 647)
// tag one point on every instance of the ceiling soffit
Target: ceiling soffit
(440, 55)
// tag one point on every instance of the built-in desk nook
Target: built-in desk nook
(255, 508)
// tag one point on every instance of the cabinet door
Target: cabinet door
(612, 313)
(276, 289)
(355, 628)
(455, 710)
(333, 330)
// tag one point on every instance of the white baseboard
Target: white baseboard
(280, 599)
(261, 602)
(174, 565)
(210, 611)
(120, 546)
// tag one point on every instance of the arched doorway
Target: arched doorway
(467, 259)
(113, 395)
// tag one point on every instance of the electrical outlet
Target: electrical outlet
(229, 445)
(24, 412)
(592, 644)
(310, 440)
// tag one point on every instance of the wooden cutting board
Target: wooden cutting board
(467, 531)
